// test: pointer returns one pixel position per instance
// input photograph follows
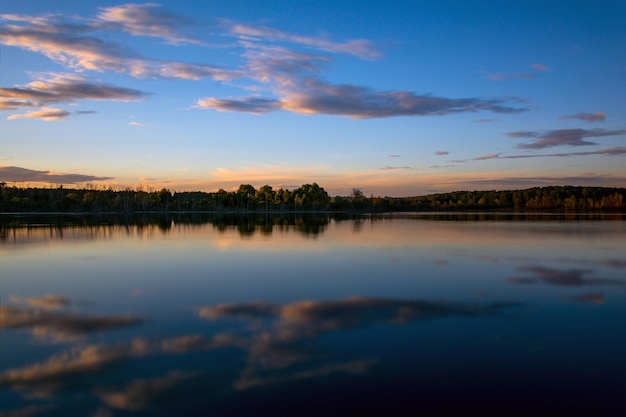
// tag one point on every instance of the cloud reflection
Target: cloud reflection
(60, 326)
(591, 297)
(287, 348)
(565, 277)
(142, 393)
(48, 301)
(78, 362)
(28, 411)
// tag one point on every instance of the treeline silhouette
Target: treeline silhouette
(306, 198)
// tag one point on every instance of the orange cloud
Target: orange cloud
(47, 114)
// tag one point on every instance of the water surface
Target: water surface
(295, 315)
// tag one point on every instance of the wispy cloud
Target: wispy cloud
(621, 150)
(294, 83)
(359, 47)
(486, 157)
(501, 181)
(598, 116)
(289, 79)
(442, 153)
(540, 67)
(47, 114)
(17, 174)
(147, 20)
(562, 137)
(390, 168)
(254, 105)
(75, 46)
(360, 102)
(60, 88)
(504, 76)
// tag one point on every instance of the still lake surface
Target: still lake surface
(430, 314)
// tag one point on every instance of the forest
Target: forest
(308, 197)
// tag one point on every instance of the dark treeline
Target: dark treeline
(308, 197)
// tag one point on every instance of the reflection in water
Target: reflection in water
(285, 342)
(144, 393)
(18, 228)
(590, 297)
(242, 314)
(569, 277)
(72, 366)
(280, 352)
(59, 326)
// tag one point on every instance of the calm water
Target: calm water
(405, 315)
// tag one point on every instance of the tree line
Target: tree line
(308, 197)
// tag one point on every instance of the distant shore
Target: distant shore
(309, 198)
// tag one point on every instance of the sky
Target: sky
(397, 98)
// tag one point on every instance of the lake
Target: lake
(394, 315)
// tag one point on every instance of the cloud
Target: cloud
(254, 105)
(505, 76)
(610, 152)
(362, 102)
(442, 153)
(60, 88)
(357, 47)
(147, 20)
(487, 120)
(135, 124)
(501, 182)
(540, 67)
(569, 277)
(70, 47)
(562, 137)
(390, 168)
(17, 174)
(291, 77)
(598, 116)
(47, 114)
(359, 103)
(486, 157)
(67, 44)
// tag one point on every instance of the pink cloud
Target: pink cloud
(598, 116)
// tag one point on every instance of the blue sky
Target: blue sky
(395, 98)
